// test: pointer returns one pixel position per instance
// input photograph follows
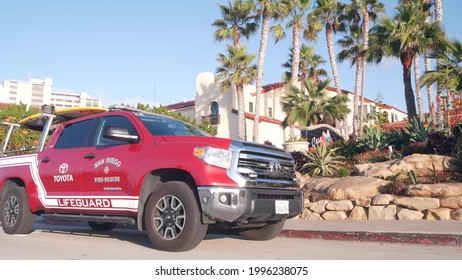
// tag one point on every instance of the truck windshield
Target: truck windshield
(163, 126)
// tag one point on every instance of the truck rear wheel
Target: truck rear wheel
(173, 218)
(265, 233)
(15, 213)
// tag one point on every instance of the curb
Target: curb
(384, 237)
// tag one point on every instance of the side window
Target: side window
(122, 123)
(74, 135)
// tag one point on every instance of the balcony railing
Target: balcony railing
(212, 119)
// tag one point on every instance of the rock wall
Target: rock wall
(385, 207)
(365, 197)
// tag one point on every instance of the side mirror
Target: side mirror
(119, 133)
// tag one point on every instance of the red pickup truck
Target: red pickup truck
(164, 176)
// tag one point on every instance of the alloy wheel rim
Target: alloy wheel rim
(11, 211)
(169, 217)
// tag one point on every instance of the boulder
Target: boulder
(382, 212)
(417, 203)
(334, 215)
(341, 205)
(358, 213)
(457, 214)
(363, 201)
(318, 206)
(440, 190)
(422, 165)
(346, 188)
(406, 214)
(311, 216)
(452, 202)
(382, 199)
(438, 214)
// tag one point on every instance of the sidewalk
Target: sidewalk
(414, 232)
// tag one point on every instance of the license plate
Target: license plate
(282, 206)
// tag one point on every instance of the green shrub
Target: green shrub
(323, 161)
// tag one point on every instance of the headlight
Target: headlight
(214, 156)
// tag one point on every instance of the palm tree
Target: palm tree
(268, 9)
(313, 106)
(362, 12)
(448, 74)
(404, 36)
(352, 45)
(327, 13)
(237, 20)
(236, 70)
(296, 11)
(309, 65)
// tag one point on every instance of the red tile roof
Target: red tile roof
(181, 105)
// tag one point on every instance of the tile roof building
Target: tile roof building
(220, 108)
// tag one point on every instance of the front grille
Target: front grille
(261, 166)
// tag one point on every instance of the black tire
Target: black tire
(97, 226)
(173, 219)
(267, 232)
(15, 214)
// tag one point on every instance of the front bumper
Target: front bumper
(249, 205)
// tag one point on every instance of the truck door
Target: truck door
(60, 165)
(109, 169)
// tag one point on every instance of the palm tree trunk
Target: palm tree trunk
(330, 49)
(359, 74)
(430, 94)
(406, 62)
(295, 63)
(261, 61)
(439, 19)
(365, 14)
(417, 89)
(240, 112)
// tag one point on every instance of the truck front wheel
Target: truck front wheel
(15, 213)
(173, 218)
(267, 232)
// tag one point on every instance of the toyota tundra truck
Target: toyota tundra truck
(158, 174)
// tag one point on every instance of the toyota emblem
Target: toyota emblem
(63, 168)
(275, 166)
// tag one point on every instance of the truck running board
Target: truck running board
(90, 218)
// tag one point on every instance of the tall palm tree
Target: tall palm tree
(267, 9)
(404, 36)
(309, 65)
(327, 14)
(236, 71)
(313, 106)
(352, 45)
(362, 12)
(295, 11)
(237, 20)
(427, 63)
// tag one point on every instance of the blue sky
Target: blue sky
(151, 51)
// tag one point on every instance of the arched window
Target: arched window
(214, 108)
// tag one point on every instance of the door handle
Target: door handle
(45, 159)
(89, 156)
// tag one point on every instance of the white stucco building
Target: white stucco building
(36, 92)
(220, 108)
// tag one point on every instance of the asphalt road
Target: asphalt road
(74, 241)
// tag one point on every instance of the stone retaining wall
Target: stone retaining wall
(385, 207)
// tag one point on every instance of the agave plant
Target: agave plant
(323, 161)
(373, 139)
